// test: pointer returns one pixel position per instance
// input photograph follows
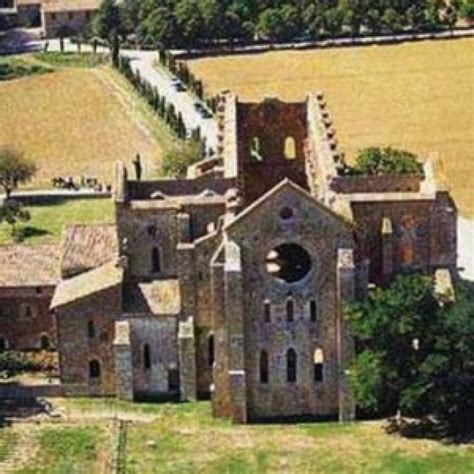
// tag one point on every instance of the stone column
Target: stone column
(387, 250)
(186, 275)
(234, 310)
(123, 361)
(219, 376)
(345, 345)
(187, 360)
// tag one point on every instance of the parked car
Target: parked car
(179, 86)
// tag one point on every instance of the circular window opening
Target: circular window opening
(288, 262)
(286, 213)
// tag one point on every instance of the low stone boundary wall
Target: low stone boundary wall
(12, 391)
(46, 197)
(322, 44)
(377, 184)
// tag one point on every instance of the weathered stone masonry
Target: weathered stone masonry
(231, 283)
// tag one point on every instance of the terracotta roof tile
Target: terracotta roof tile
(29, 265)
(69, 5)
(86, 247)
(86, 284)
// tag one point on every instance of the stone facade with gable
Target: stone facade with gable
(231, 283)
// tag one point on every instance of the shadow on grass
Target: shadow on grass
(21, 408)
(29, 232)
(427, 429)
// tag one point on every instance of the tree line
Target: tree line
(191, 23)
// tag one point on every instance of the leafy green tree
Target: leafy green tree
(176, 161)
(467, 10)
(12, 212)
(351, 19)
(373, 21)
(313, 19)
(381, 161)
(14, 170)
(392, 20)
(415, 354)
(271, 24)
(190, 22)
(160, 26)
(107, 24)
(333, 20)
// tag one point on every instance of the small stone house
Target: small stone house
(71, 16)
(28, 278)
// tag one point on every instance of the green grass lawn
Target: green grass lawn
(56, 58)
(185, 438)
(69, 449)
(8, 440)
(188, 440)
(48, 221)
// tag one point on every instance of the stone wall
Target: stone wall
(202, 308)
(271, 122)
(143, 231)
(178, 187)
(76, 21)
(376, 184)
(25, 317)
(422, 235)
(78, 347)
(319, 233)
(160, 334)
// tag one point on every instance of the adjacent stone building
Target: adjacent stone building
(28, 278)
(231, 283)
(66, 17)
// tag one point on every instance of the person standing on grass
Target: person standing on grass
(137, 163)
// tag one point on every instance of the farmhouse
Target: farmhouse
(70, 16)
(55, 17)
(231, 283)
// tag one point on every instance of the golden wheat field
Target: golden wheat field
(75, 122)
(418, 96)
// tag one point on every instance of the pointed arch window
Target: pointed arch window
(44, 342)
(290, 310)
(3, 344)
(155, 260)
(290, 148)
(146, 357)
(264, 373)
(94, 369)
(313, 311)
(210, 350)
(90, 329)
(255, 149)
(291, 365)
(318, 361)
(267, 312)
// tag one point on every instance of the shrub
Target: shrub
(177, 160)
(383, 161)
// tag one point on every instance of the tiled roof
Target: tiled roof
(86, 284)
(29, 265)
(86, 247)
(160, 297)
(28, 2)
(69, 5)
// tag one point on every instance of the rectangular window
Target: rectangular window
(53, 16)
(70, 15)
